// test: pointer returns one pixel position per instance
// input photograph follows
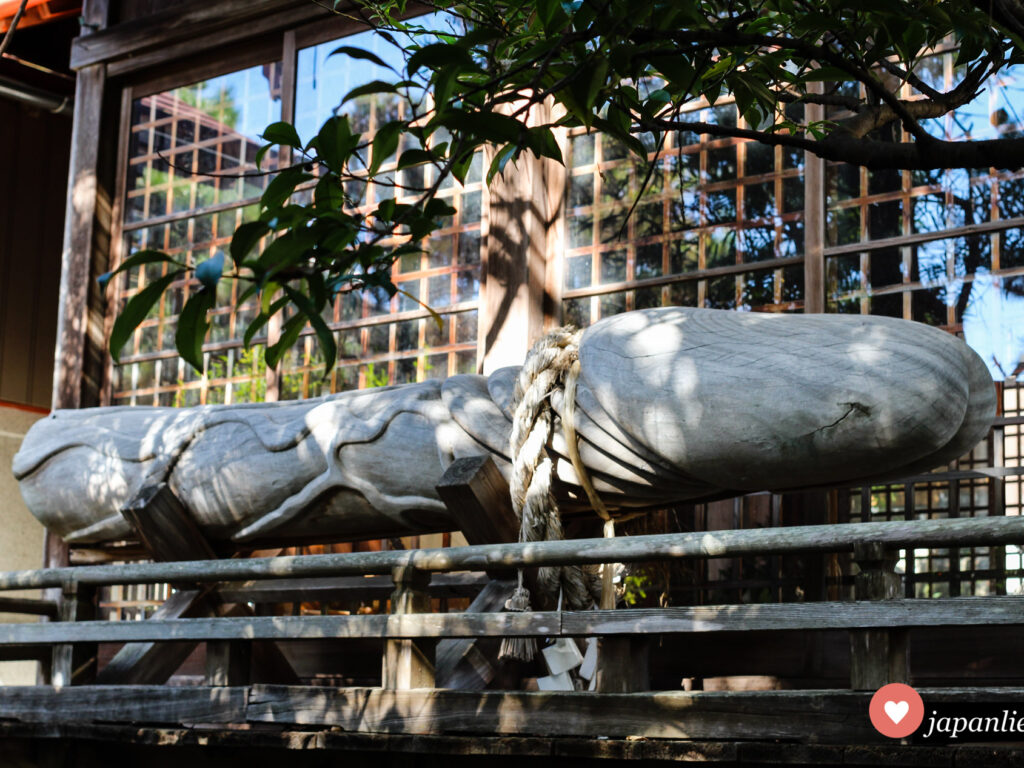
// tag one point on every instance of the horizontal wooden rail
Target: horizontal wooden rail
(949, 612)
(989, 531)
(345, 588)
(29, 606)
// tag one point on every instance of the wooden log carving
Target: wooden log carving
(673, 404)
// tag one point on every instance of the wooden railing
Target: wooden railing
(877, 620)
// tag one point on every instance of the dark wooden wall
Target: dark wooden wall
(34, 154)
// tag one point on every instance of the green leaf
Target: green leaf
(136, 260)
(335, 143)
(282, 133)
(135, 312)
(385, 142)
(282, 186)
(246, 238)
(192, 327)
(260, 154)
(411, 157)
(438, 55)
(501, 158)
(209, 272)
(438, 320)
(289, 335)
(324, 335)
(359, 53)
(328, 195)
(370, 88)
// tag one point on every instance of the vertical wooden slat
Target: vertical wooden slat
(514, 264)
(814, 223)
(76, 256)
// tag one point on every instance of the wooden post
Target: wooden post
(409, 663)
(170, 534)
(877, 656)
(75, 663)
(623, 664)
(228, 662)
(477, 496)
(165, 527)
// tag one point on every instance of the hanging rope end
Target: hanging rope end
(518, 648)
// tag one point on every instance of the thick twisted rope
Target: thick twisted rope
(552, 365)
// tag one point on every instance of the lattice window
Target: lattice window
(719, 224)
(382, 339)
(210, 127)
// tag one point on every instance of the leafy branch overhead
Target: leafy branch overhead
(830, 77)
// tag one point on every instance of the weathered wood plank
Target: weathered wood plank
(626, 549)
(948, 612)
(124, 703)
(165, 527)
(345, 588)
(409, 663)
(477, 496)
(799, 715)
(464, 664)
(75, 663)
(153, 663)
(29, 606)
(878, 656)
(176, 24)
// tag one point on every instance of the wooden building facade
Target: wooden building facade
(169, 103)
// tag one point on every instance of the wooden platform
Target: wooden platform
(257, 725)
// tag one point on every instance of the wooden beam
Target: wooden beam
(153, 663)
(947, 612)
(29, 606)
(878, 656)
(466, 665)
(814, 221)
(74, 663)
(124, 703)
(169, 533)
(826, 716)
(165, 527)
(964, 532)
(409, 663)
(182, 22)
(442, 585)
(477, 496)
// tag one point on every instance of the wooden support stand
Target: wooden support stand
(877, 656)
(170, 534)
(409, 663)
(623, 664)
(75, 664)
(477, 497)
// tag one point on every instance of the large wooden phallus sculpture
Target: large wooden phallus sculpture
(672, 404)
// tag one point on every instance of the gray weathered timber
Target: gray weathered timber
(29, 606)
(664, 411)
(464, 664)
(477, 495)
(964, 532)
(165, 527)
(443, 585)
(124, 703)
(947, 612)
(75, 663)
(153, 663)
(878, 656)
(167, 27)
(409, 663)
(823, 716)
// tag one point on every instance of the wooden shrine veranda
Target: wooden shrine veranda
(431, 701)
